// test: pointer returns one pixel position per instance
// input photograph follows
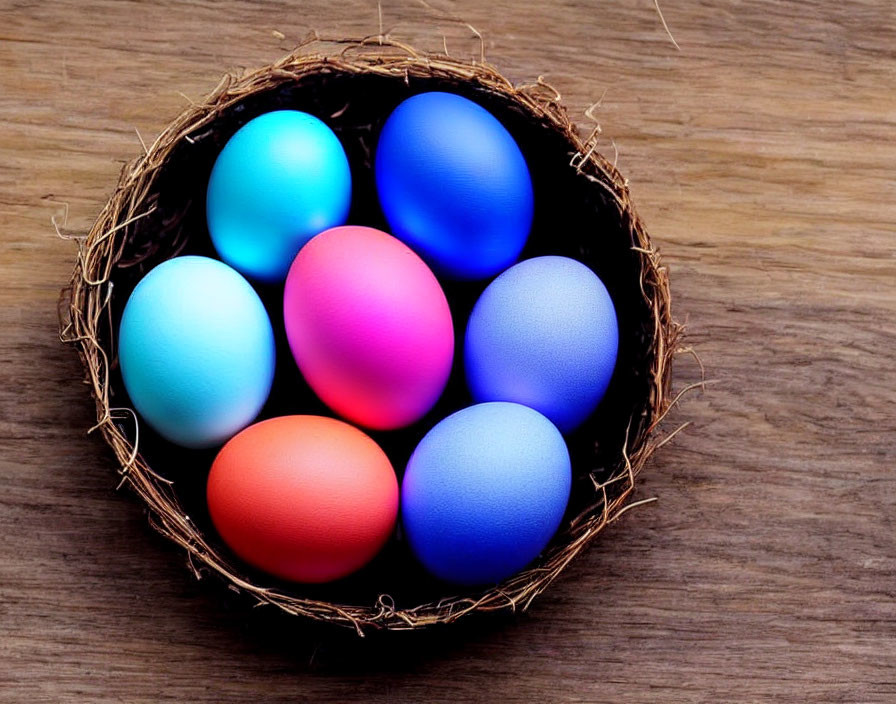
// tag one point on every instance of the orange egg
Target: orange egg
(306, 498)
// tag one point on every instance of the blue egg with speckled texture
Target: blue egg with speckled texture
(454, 185)
(544, 334)
(196, 350)
(484, 492)
(281, 179)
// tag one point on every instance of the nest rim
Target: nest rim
(84, 307)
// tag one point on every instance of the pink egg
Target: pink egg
(369, 326)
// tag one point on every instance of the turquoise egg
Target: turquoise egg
(196, 351)
(281, 179)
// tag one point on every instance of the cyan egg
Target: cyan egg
(544, 333)
(281, 179)
(196, 350)
(484, 492)
(454, 185)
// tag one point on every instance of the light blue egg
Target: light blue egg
(454, 185)
(280, 180)
(544, 334)
(196, 350)
(484, 492)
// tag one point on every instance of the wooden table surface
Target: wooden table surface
(762, 156)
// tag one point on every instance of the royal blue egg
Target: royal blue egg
(454, 185)
(196, 350)
(280, 180)
(484, 492)
(544, 334)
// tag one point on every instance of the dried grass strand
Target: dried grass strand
(656, 4)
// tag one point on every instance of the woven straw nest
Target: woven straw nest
(583, 210)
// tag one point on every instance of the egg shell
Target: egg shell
(369, 326)
(281, 178)
(196, 351)
(484, 492)
(454, 185)
(305, 498)
(544, 334)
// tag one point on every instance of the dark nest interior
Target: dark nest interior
(582, 211)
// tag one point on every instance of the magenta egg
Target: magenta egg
(369, 326)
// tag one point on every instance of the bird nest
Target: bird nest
(583, 210)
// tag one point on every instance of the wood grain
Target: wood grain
(762, 158)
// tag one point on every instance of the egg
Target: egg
(454, 185)
(280, 180)
(484, 492)
(305, 498)
(544, 334)
(196, 351)
(369, 326)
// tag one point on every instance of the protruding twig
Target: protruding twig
(142, 143)
(656, 4)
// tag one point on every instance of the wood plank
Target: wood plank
(762, 158)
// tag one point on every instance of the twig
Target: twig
(656, 4)
(142, 143)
